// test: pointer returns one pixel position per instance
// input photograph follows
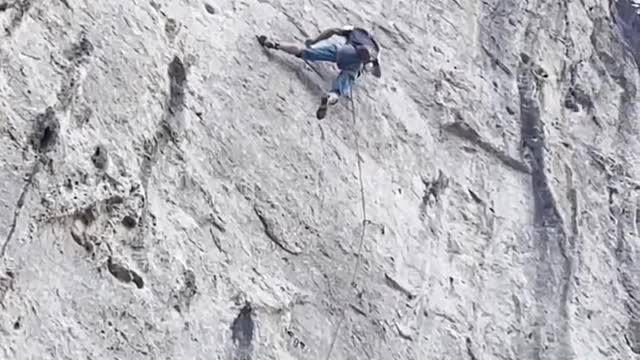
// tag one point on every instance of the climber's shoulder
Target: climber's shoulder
(347, 28)
(344, 30)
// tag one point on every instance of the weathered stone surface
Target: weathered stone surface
(167, 192)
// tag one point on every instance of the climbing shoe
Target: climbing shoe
(322, 110)
(262, 39)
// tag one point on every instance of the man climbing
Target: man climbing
(359, 52)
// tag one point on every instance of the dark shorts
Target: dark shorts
(343, 83)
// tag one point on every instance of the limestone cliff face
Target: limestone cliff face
(167, 193)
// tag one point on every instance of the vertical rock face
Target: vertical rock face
(167, 192)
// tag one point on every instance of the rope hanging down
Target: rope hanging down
(364, 224)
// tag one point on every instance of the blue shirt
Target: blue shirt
(348, 59)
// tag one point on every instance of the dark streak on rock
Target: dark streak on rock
(123, 273)
(20, 203)
(66, 3)
(270, 231)
(177, 80)
(470, 352)
(631, 337)
(7, 280)
(46, 129)
(209, 9)
(242, 330)
(554, 260)
(129, 221)
(118, 271)
(392, 283)
(358, 310)
(572, 197)
(496, 61)
(463, 130)
(137, 279)
(77, 238)
(475, 197)
(218, 223)
(404, 332)
(216, 241)
(115, 200)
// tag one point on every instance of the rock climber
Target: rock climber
(360, 52)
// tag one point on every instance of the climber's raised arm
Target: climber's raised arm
(344, 31)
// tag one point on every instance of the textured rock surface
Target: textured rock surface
(167, 192)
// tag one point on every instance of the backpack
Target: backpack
(359, 37)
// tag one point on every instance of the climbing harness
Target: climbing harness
(364, 225)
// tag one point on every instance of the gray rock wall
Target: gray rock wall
(167, 192)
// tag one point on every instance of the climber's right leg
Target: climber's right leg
(321, 53)
(288, 48)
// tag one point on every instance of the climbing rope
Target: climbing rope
(364, 224)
